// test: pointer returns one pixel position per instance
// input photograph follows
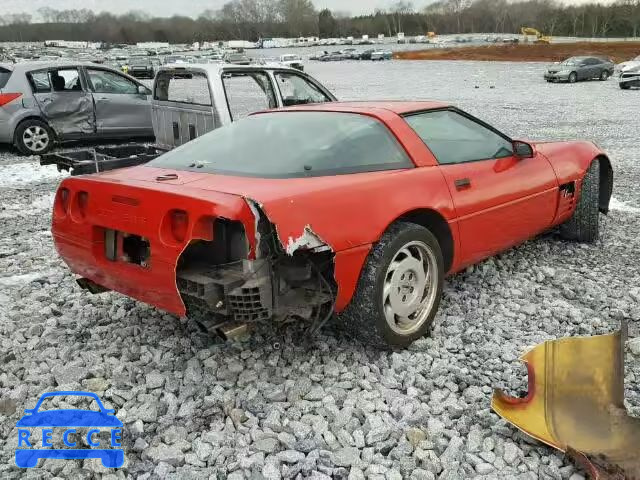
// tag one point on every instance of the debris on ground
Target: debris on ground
(575, 403)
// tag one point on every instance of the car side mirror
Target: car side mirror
(142, 90)
(522, 149)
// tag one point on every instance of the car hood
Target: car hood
(628, 66)
(69, 418)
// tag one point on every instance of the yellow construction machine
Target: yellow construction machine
(540, 38)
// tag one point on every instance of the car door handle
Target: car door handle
(462, 183)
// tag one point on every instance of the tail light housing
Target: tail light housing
(6, 98)
(179, 224)
(61, 203)
(174, 227)
(79, 206)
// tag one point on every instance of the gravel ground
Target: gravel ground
(279, 407)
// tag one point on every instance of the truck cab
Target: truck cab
(190, 100)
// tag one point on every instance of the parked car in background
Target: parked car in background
(574, 69)
(333, 57)
(381, 55)
(629, 63)
(141, 67)
(45, 103)
(236, 58)
(629, 76)
(240, 226)
(292, 60)
(174, 60)
(365, 55)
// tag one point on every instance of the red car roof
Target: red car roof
(370, 107)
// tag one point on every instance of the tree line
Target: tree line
(255, 19)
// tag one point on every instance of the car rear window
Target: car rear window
(290, 145)
(182, 87)
(4, 76)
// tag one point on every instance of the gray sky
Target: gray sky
(190, 7)
(184, 7)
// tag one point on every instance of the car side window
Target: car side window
(248, 92)
(296, 90)
(104, 81)
(60, 80)
(183, 88)
(40, 82)
(454, 138)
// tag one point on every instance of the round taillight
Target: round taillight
(179, 224)
(79, 206)
(61, 203)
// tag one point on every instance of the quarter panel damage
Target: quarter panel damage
(575, 403)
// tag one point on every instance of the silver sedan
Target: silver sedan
(45, 103)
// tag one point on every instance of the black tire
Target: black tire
(573, 77)
(604, 75)
(624, 86)
(33, 125)
(364, 318)
(583, 226)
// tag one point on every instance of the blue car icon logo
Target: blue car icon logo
(69, 419)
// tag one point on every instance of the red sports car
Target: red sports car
(359, 209)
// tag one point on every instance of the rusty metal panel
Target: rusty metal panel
(575, 403)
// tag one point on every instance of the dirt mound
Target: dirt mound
(617, 51)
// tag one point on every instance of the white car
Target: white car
(629, 75)
(630, 63)
(381, 55)
(292, 60)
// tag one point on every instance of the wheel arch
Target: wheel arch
(436, 224)
(606, 182)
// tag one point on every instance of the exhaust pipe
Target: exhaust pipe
(233, 330)
(91, 286)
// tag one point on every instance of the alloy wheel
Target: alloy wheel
(410, 287)
(35, 138)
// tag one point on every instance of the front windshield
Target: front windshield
(291, 144)
(571, 61)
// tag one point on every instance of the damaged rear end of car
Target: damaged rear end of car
(212, 256)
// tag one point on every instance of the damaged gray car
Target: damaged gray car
(42, 104)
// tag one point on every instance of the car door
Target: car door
(593, 68)
(64, 101)
(122, 106)
(500, 199)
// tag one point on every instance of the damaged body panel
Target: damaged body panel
(575, 403)
(44, 103)
(68, 114)
(188, 102)
(244, 225)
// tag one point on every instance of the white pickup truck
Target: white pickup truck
(191, 100)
